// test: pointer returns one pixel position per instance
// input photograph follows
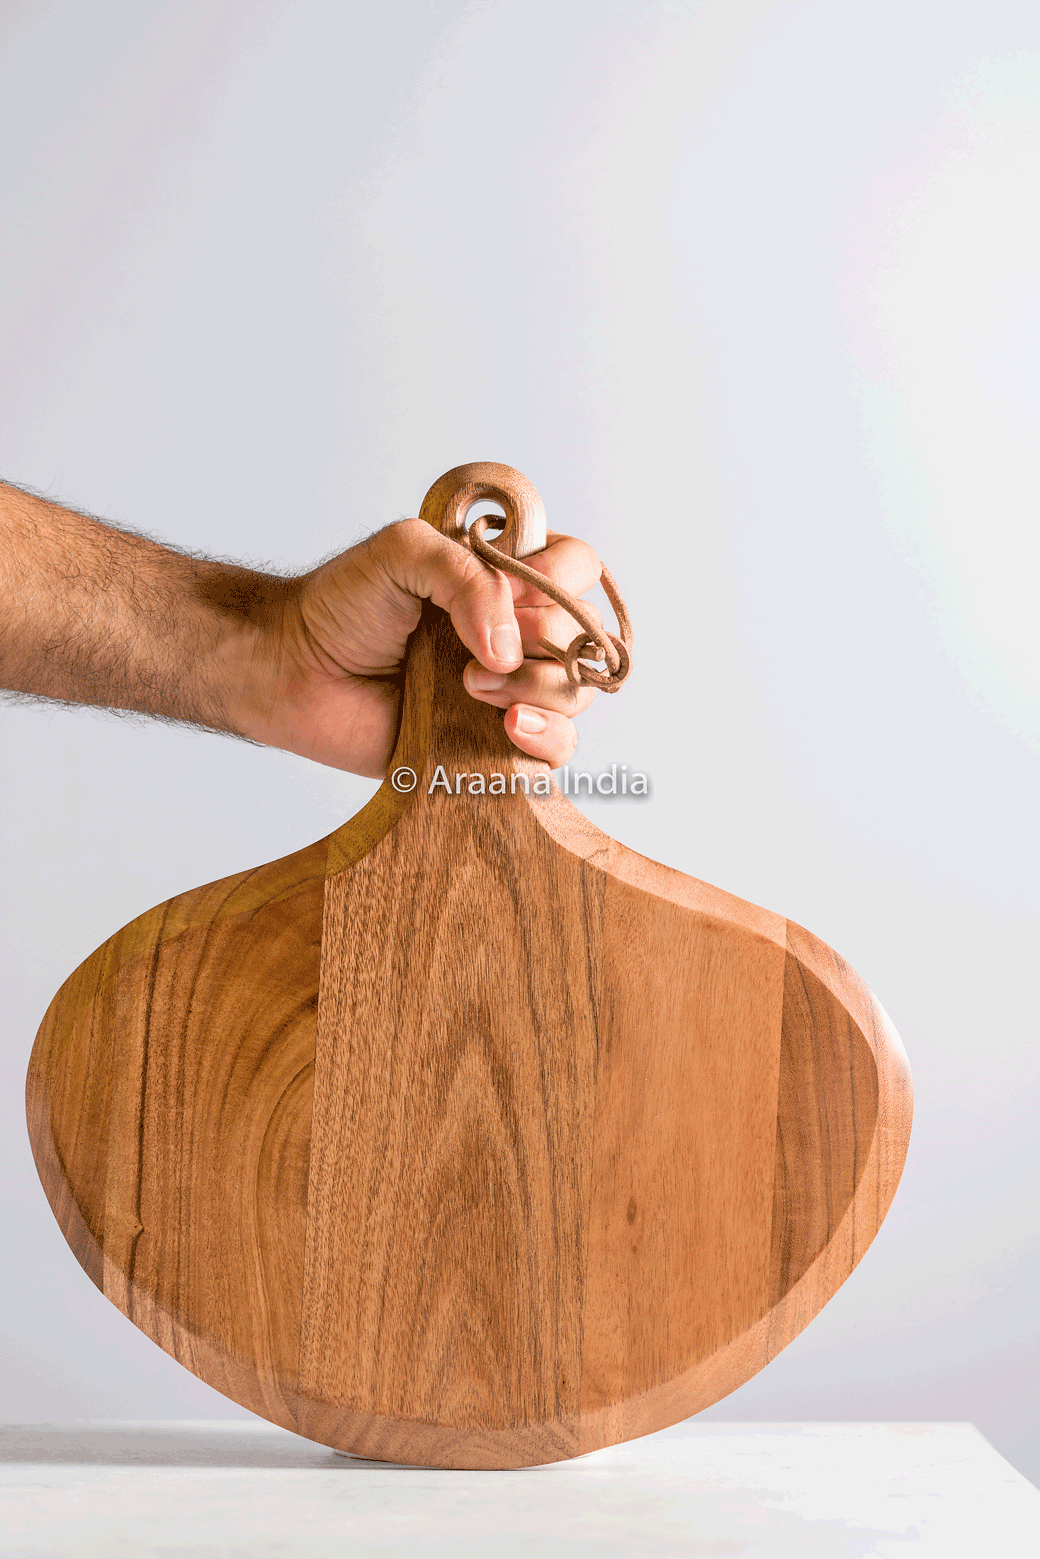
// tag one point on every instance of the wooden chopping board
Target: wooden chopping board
(466, 1136)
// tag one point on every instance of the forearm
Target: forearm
(312, 664)
(93, 615)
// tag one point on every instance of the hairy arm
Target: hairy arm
(90, 614)
(95, 615)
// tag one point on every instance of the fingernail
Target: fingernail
(529, 721)
(505, 643)
(480, 681)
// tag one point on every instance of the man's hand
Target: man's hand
(94, 615)
(346, 628)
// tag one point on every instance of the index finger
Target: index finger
(567, 561)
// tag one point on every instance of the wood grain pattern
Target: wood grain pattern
(468, 1137)
(471, 1112)
(169, 1099)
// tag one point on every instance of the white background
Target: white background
(749, 290)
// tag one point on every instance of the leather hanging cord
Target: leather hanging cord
(616, 650)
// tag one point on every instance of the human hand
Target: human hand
(342, 635)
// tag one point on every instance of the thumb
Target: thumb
(427, 566)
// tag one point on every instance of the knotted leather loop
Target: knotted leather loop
(593, 642)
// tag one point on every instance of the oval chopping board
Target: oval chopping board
(468, 1137)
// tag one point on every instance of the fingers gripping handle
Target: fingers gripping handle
(446, 505)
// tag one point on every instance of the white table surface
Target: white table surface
(761, 1491)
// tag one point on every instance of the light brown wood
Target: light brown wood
(467, 1136)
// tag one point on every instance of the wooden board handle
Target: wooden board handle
(441, 725)
(454, 494)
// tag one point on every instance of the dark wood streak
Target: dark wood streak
(142, 1088)
(821, 1128)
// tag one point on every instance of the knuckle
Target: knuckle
(400, 540)
(417, 554)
